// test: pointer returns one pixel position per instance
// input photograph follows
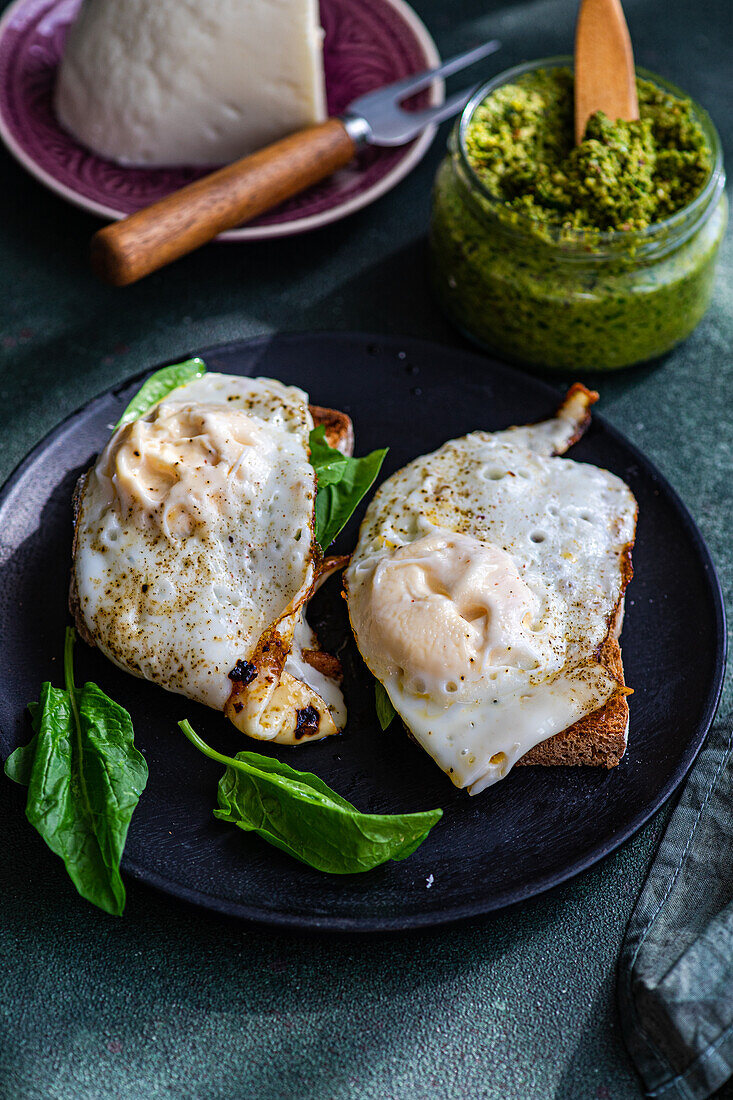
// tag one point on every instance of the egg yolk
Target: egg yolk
(185, 466)
(446, 609)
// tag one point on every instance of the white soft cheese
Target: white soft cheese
(173, 82)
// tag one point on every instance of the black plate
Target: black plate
(521, 837)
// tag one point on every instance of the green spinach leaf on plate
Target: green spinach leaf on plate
(159, 385)
(298, 813)
(383, 704)
(84, 778)
(342, 483)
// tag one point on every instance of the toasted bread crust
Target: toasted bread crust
(339, 428)
(599, 739)
(325, 663)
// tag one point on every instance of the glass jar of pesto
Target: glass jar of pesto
(522, 258)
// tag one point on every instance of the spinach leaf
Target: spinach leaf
(84, 778)
(159, 385)
(298, 813)
(342, 482)
(385, 711)
(19, 764)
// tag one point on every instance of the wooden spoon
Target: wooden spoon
(605, 79)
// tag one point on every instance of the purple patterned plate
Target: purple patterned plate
(368, 43)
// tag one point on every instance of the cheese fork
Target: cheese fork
(129, 249)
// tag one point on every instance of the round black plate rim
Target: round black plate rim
(509, 896)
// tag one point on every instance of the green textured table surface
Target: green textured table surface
(172, 1002)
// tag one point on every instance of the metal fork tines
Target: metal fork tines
(379, 118)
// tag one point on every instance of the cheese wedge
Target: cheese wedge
(175, 82)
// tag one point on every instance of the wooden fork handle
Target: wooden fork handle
(127, 250)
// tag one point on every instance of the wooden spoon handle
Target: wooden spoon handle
(605, 79)
(127, 250)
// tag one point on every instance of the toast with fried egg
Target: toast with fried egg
(486, 595)
(194, 554)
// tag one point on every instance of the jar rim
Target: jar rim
(522, 222)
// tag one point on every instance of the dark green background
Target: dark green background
(172, 1002)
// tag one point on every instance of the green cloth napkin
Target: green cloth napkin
(675, 984)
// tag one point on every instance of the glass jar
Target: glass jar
(569, 298)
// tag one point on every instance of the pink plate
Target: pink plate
(368, 43)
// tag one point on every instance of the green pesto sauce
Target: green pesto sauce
(623, 175)
(564, 258)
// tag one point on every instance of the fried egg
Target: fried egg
(194, 556)
(486, 578)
